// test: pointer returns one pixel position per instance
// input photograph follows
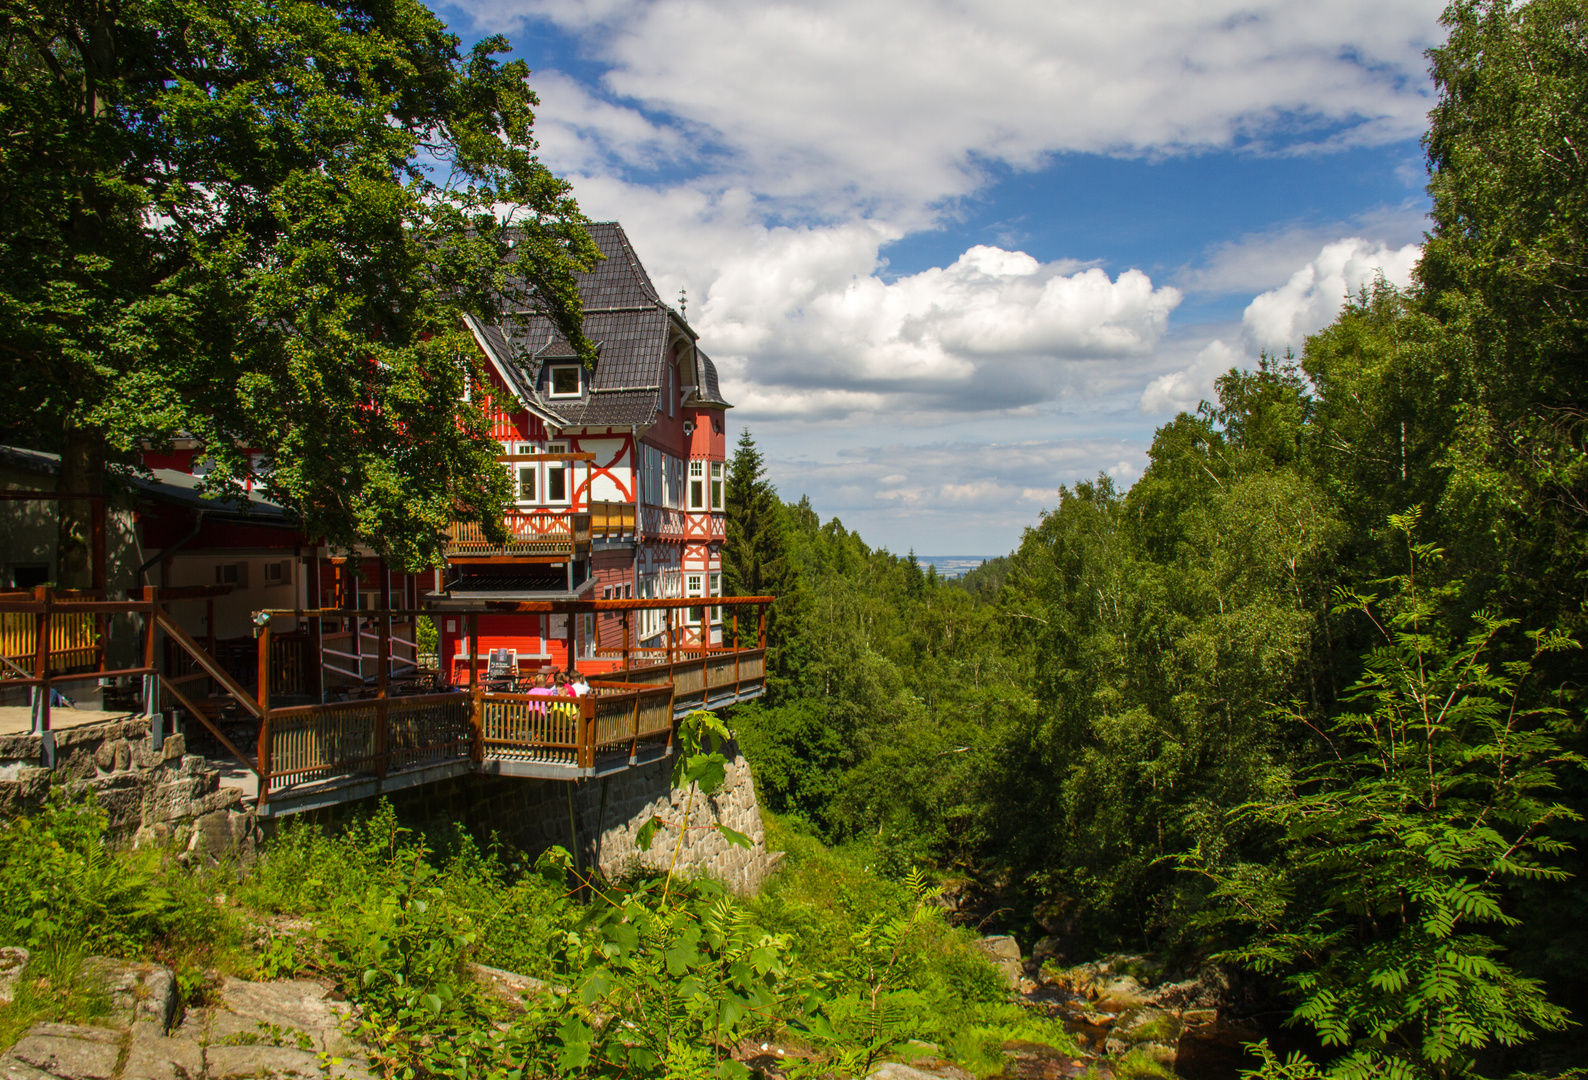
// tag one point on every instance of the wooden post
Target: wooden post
(316, 625)
(761, 635)
(262, 750)
(625, 641)
(669, 635)
(151, 680)
(587, 717)
(736, 652)
(262, 638)
(476, 717)
(572, 659)
(41, 661)
(382, 671)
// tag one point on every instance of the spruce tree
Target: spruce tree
(754, 556)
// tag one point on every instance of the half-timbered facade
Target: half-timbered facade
(620, 478)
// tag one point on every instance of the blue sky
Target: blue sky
(950, 255)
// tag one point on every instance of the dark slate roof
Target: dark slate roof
(707, 390)
(618, 280)
(627, 321)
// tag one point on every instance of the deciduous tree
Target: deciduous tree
(258, 223)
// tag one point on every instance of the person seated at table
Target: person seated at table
(577, 683)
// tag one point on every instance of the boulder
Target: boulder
(13, 959)
(508, 986)
(296, 1013)
(1145, 1026)
(151, 1055)
(1120, 993)
(137, 991)
(63, 1051)
(1003, 952)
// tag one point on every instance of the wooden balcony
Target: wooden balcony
(536, 532)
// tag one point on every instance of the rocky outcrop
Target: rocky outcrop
(1123, 1006)
(151, 789)
(291, 1030)
(1003, 952)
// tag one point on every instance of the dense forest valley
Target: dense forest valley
(1303, 706)
(1308, 696)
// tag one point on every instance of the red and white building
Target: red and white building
(620, 477)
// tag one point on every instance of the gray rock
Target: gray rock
(64, 1051)
(892, 1070)
(1003, 953)
(153, 1056)
(137, 991)
(296, 1005)
(13, 958)
(274, 1063)
(1000, 947)
(1119, 994)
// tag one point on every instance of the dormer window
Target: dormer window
(565, 380)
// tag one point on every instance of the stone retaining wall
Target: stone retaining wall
(532, 815)
(150, 793)
(162, 794)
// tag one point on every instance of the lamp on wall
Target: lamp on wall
(689, 427)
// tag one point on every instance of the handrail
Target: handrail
(202, 717)
(207, 662)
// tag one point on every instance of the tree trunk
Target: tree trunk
(82, 470)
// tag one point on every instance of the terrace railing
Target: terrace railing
(537, 532)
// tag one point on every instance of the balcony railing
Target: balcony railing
(532, 533)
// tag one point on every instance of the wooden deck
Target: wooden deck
(308, 756)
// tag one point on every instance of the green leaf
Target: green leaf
(647, 833)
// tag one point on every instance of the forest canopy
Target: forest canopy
(1307, 697)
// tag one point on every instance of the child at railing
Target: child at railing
(539, 689)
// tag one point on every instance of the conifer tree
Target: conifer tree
(754, 556)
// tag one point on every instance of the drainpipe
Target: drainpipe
(198, 523)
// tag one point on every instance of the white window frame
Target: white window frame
(551, 381)
(696, 486)
(566, 468)
(693, 586)
(714, 580)
(719, 486)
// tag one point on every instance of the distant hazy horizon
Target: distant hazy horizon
(953, 565)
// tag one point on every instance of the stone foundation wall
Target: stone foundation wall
(150, 793)
(162, 794)
(533, 815)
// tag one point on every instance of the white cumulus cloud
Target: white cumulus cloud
(1184, 390)
(889, 106)
(1282, 318)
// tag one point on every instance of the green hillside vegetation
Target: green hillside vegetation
(648, 977)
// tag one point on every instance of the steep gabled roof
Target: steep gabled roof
(630, 326)
(619, 280)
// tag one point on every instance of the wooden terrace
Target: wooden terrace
(395, 729)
